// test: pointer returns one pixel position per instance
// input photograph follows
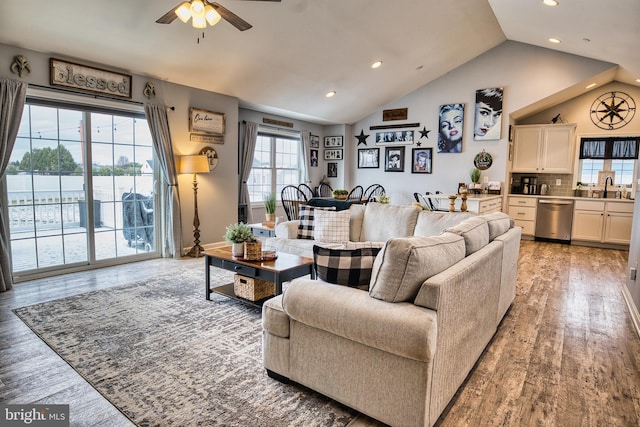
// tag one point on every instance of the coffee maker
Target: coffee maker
(529, 185)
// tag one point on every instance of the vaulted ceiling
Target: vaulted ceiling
(298, 50)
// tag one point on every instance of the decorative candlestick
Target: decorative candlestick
(452, 202)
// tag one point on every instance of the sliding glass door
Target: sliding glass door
(80, 190)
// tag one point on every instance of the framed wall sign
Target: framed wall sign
(89, 79)
(333, 141)
(208, 122)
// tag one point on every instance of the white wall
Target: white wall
(528, 75)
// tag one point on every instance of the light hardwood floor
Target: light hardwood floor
(566, 353)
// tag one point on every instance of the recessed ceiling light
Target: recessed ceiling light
(376, 64)
(590, 85)
(550, 2)
(330, 94)
(554, 40)
(638, 80)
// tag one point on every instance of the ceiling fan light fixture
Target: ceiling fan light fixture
(199, 22)
(211, 15)
(197, 9)
(184, 12)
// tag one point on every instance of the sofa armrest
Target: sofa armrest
(399, 328)
(287, 229)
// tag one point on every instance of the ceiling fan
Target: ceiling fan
(203, 11)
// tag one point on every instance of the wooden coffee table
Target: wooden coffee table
(282, 269)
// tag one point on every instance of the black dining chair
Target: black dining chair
(306, 190)
(372, 191)
(324, 190)
(291, 198)
(355, 195)
(422, 199)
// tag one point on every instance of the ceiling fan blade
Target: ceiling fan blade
(231, 17)
(168, 17)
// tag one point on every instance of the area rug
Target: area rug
(164, 356)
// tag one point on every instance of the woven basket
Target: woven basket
(252, 289)
(253, 250)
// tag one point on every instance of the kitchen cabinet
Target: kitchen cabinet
(523, 212)
(543, 148)
(602, 221)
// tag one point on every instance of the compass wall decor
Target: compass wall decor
(612, 110)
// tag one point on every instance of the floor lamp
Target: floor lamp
(195, 164)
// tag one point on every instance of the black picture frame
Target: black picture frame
(368, 158)
(395, 137)
(332, 170)
(417, 157)
(333, 141)
(314, 141)
(313, 160)
(394, 159)
(333, 154)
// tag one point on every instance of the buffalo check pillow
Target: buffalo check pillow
(348, 267)
(306, 220)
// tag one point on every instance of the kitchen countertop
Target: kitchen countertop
(537, 196)
(469, 196)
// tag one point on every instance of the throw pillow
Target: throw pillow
(306, 220)
(405, 263)
(348, 267)
(331, 227)
(475, 231)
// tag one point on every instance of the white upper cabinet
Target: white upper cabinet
(543, 148)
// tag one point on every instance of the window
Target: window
(276, 163)
(80, 188)
(618, 154)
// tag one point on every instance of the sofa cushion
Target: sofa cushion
(498, 222)
(331, 227)
(434, 223)
(348, 267)
(475, 231)
(305, 221)
(355, 225)
(382, 221)
(405, 263)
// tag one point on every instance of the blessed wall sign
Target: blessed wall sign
(88, 79)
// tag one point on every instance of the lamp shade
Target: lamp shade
(194, 164)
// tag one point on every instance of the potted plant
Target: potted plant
(383, 198)
(237, 234)
(340, 194)
(475, 178)
(270, 206)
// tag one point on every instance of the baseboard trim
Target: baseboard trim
(635, 315)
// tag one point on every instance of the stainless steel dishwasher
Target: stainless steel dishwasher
(554, 218)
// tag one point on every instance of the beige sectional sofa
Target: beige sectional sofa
(398, 352)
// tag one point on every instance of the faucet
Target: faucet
(608, 179)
